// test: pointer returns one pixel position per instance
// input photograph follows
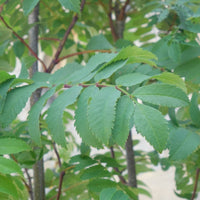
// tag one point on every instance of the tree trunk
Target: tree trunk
(38, 168)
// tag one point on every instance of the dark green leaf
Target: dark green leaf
(152, 125)
(55, 113)
(113, 194)
(19, 48)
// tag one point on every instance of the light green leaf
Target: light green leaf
(101, 113)
(12, 145)
(152, 125)
(109, 70)
(73, 5)
(131, 79)
(194, 110)
(28, 61)
(99, 42)
(113, 194)
(81, 122)
(172, 79)
(174, 51)
(55, 113)
(8, 166)
(16, 101)
(162, 94)
(4, 76)
(28, 6)
(5, 66)
(7, 186)
(34, 114)
(182, 143)
(124, 111)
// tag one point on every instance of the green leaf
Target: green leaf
(109, 70)
(101, 113)
(34, 114)
(7, 186)
(8, 166)
(12, 145)
(96, 171)
(174, 51)
(5, 66)
(16, 101)
(4, 76)
(134, 55)
(81, 122)
(162, 94)
(99, 42)
(131, 79)
(73, 5)
(172, 79)
(113, 194)
(28, 61)
(182, 143)
(18, 48)
(28, 6)
(152, 125)
(124, 111)
(194, 110)
(55, 113)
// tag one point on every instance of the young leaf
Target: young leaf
(109, 70)
(182, 143)
(8, 166)
(55, 113)
(34, 114)
(172, 79)
(162, 94)
(8, 187)
(131, 79)
(194, 109)
(4, 76)
(73, 5)
(12, 145)
(99, 42)
(101, 113)
(16, 101)
(124, 111)
(81, 122)
(29, 5)
(113, 194)
(152, 125)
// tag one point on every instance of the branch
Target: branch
(122, 179)
(80, 53)
(195, 184)
(62, 43)
(30, 188)
(122, 12)
(52, 39)
(57, 154)
(62, 174)
(23, 41)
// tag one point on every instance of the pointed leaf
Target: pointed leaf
(162, 94)
(109, 70)
(73, 5)
(34, 114)
(172, 79)
(8, 166)
(113, 194)
(99, 42)
(124, 111)
(16, 101)
(194, 109)
(152, 125)
(101, 113)
(55, 113)
(12, 145)
(29, 5)
(4, 76)
(131, 79)
(81, 122)
(182, 143)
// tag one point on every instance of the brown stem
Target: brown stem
(23, 41)
(62, 174)
(62, 43)
(29, 184)
(47, 38)
(80, 53)
(195, 184)
(122, 179)
(122, 14)
(57, 154)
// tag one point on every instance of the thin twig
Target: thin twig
(122, 179)
(62, 43)
(52, 39)
(122, 14)
(80, 53)
(62, 174)
(57, 154)
(195, 184)
(29, 183)
(23, 41)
